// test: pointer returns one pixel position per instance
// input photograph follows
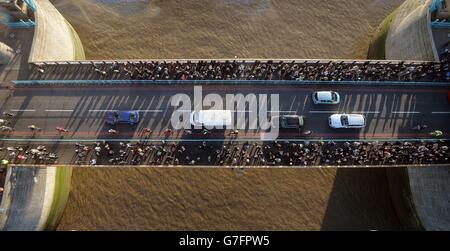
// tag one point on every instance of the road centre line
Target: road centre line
(130, 110)
(50, 110)
(246, 111)
(323, 111)
(283, 111)
(440, 112)
(404, 112)
(365, 112)
(208, 109)
(149, 110)
(22, 110)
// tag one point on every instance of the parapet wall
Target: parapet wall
(409, 36)
(54, 38)
(6, 53)
(430, 189)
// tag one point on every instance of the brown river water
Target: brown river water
(222, 199)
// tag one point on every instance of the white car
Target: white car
(347, 121)
(326, 97)
(212, 118)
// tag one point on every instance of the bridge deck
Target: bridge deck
(390, 113)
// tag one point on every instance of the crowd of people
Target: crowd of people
(232, 153)
(279, 70)
(26, 154)
(273, 70)
(445, 56)
(264, 154)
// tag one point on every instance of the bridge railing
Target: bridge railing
(20, 24)
(440, 24)
(31, 5)
(20, 83)
(34, 166)
(435, 5)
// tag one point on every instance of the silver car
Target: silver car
(325, 98)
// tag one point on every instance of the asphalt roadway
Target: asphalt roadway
(390, 111)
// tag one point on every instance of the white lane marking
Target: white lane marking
(149, 110)
(404, 112)
(323, 112)
(284, 111)
(22, 110)
(440, 112)
(49, 110)
(101, 110)
(365, 112)
(245, 111)
(231, 111)
(130, 110)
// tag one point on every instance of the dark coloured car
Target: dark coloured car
(122, 117)
(289, 121)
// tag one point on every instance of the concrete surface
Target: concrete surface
(430, 190)
(20, 41)
(26, 198)
(54, 39)
(442, 39)
(409, 35)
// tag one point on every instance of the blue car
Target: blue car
(122, 117)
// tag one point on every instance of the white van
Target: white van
(211, 118)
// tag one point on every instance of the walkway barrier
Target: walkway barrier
(237, 60)
(231, 166)
(435, 5)
(20, 24)
(35, 83)
(440, 24)
(31, 5)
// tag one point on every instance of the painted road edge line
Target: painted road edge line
(318, 139)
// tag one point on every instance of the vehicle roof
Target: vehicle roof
(123, 115)
(291, 120)
(215, 117)
(355, 119)
(324, 95)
